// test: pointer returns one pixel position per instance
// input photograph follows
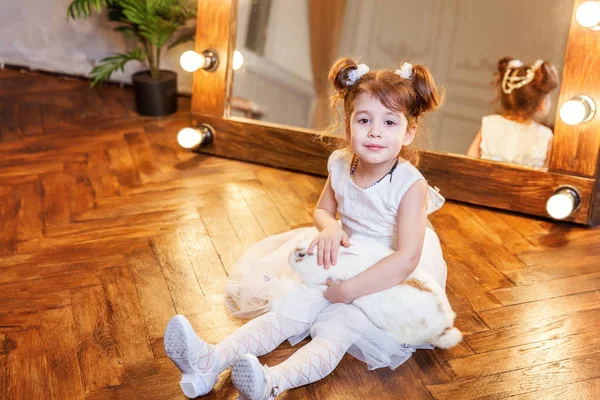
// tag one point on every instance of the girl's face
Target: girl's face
(377, 133)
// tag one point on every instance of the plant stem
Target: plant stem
(157, 61)
(154, 70)
(150, 54)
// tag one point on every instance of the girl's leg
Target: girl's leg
(201, 363)
(259, 336)
(309, 364)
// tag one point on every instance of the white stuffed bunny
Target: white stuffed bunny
(416, 311)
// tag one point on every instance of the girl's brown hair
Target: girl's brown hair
(413, 97)
(524, 102)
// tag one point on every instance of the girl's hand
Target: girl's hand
(328, 244)
(336, 292)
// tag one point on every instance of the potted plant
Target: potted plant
(154, 24)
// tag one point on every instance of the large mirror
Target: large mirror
(461, 41)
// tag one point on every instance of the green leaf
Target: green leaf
(158, 5)
(83, 8)
(109, 65)
(140, 6)
(134, 15)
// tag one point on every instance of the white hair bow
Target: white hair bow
(518, 63)
(515, 63)
(536, 65)
(405, 71)
(357, 73)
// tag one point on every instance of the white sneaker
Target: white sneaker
(185, 348)
(252, 380)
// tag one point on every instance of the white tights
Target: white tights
(313, 362)
(264, 334)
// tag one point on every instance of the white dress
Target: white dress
(513, 142)
(262, 280)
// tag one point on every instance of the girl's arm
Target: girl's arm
(331, 234)
(395, 268)
(474, 149)
(324, 215)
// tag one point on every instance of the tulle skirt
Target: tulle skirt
(262, 281)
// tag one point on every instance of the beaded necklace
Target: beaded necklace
(390, 173)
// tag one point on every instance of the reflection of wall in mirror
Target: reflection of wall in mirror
(280, 79)
(461, 42)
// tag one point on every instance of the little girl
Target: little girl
(515, 135)
(379, 195)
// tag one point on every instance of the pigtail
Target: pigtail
(338, 75)
(546, 78)
(339, 78)
(499, 75)
(428, 96)
(503, 64)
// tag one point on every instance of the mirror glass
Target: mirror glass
(460, 41)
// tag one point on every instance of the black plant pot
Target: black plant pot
(155, 97)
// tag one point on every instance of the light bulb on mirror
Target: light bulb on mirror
(194, 138)
(563, 202)
(191, 61)
(188, 138)
(578, 110)
(588, 15)
(238, 60)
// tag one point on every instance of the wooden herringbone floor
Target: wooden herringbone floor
(108, 229)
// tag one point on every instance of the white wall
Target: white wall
(37, 34)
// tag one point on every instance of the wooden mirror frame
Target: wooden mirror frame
(573, 161)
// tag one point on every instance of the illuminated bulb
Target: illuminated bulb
(238, 60)
(578, 110)
(189, 138)
(563, 202)
(191, 61)
(588, 15)
(193, 138)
